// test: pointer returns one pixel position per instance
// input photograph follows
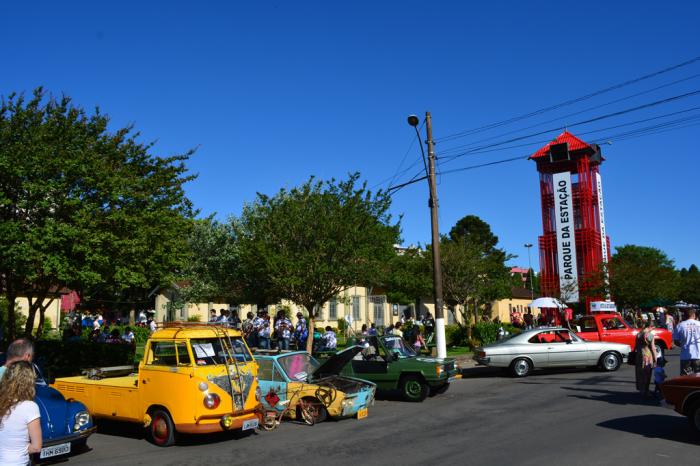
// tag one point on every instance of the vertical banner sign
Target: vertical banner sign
(603, 236)
(566, 237)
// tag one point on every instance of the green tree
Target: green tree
(311, 242)
(83, 207)
(408, 277)
(474, 269)
(211, 272)
(642, 275)
(690, 285)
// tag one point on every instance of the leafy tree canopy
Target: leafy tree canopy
(690, 285)
(82, 206)
(641, 275)
(308, 243)
(408, 277)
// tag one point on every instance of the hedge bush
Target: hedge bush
(67, 358)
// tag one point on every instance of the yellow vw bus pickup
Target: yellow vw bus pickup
(194, 378)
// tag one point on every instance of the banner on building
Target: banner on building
(603, 235)
(566, 237)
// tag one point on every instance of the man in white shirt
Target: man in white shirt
(19, 350)
(687, 336)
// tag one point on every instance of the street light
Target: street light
(529, 270)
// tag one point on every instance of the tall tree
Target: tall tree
(474, 269)
(690, 284)
(311, 242)
(641, 276)
(407, 278)
(81, 206)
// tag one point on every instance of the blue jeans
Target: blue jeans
(264, 342)
(283, 343)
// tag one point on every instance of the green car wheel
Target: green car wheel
(414, 388)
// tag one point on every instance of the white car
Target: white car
(550, 347)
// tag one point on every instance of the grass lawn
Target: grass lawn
(458, 351)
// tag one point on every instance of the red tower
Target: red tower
(573, 245)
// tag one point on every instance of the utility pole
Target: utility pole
(437, 269)
(529, 271)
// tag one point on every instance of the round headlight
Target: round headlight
(212, 401)
(81, 419)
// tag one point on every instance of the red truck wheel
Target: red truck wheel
(162, 430)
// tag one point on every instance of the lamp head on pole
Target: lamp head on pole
(528, 245)
(413, 120)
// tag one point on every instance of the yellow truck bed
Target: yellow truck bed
(114, 397)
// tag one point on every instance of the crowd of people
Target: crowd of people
(686, 335)
(100, 330)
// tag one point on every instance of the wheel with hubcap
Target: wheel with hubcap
(161, 430)
(610, 361)
(414, 388)
(521, 367)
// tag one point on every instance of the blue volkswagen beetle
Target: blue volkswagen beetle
(65, 424)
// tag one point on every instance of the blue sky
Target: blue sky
(273, 92)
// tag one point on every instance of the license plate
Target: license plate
(250, 424)
(55, 450)
(361, 414)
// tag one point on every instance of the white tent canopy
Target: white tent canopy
(547, 302)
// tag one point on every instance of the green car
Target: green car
(392, 364)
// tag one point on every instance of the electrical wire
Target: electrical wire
(579, 123)
(595, 107)
(568, 102)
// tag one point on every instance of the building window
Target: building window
(333, 309)
(378, 308)
(356, 308)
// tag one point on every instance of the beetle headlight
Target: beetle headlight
(81, 419)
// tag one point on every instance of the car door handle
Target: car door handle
(550, 347)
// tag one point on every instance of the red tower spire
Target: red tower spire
(573, 245)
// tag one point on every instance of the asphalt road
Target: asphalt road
(571, 417)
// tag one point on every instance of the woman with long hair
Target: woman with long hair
(645, 357)
(20, 425)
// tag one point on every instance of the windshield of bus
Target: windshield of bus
(298, 366)
(397, 345)
(210, 351)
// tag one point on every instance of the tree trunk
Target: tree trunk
(310, 339)
(31, 314)
(476, 312)
(11, 316)
(42, 318)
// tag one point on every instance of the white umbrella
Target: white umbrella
(547, 302)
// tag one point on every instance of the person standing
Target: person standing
(687, 336)
(372, 332)
(645, 358)
(248, 329)
(283, 326)
(21, 349)
(330, 342)
(301, 332)
(20, 424)
(262, 328)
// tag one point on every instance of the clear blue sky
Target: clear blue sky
(273, 92)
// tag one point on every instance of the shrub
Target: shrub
(20, 319)
(194, 318)
(455, 335)
(487, 332)
(67, 358)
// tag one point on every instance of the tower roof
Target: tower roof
(574, 145)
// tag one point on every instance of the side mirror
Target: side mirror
(394, 356)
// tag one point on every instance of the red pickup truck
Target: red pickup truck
(612, 327)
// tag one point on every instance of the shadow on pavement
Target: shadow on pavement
(667, 427)
(483, 371)
(613, 397)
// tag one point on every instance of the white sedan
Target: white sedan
(550, 347)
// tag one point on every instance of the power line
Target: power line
(595, 107)
(583, 122)
(568, 102)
